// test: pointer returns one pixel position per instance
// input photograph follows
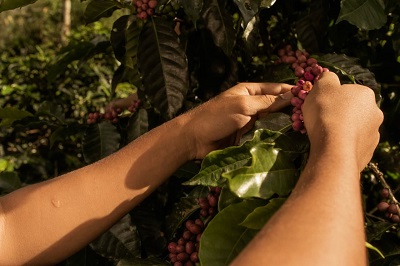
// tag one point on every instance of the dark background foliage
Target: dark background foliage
(188, 52)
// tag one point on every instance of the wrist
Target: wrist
(185, 137)
(337, 147)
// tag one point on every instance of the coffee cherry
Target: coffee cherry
(308, 76)
(297, 125)
(199, 222)
(311, 61)
(392, 208)
(383, 206)
(295, 90)
(194, 257)
(297, 102)
(385, 193)
(189, 223)
(395, 218)
(187, 235)
(190, 247)
(172, 257)
(212, 200)
(302, 94)
(185, 250)
(195, 229)
(299, 71)
(182, 257)
(172, 247)
(152, 4)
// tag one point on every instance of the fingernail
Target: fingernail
(286, 96)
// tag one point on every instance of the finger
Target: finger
(279, 102)
(267, 88)
(327, 81)
(245, 129)
(258, 89)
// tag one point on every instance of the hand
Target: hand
(343, 117)
(222, 121)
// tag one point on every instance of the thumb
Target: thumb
(277, 103)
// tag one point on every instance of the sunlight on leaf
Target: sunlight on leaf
(271, 172)
(231, 158)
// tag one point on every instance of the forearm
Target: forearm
(321, 223)
(66, 213)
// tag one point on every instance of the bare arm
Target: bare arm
(321, 223)
(44, 223)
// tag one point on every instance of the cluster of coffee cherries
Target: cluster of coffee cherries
(389, 209)
(144, 8)
(112, 115)
(308, 71)
(185, 251)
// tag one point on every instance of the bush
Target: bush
(182, 54)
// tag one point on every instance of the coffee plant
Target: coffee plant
(172, 55)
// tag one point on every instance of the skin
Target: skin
(321, 223)
(45, 223)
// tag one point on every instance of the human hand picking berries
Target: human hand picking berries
(332, 111)
(222, 121)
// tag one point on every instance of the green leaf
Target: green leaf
(65, 131)
(271, 172)
(97, 9)
(389, 246)
(164, 68)
(100, 140)
(223, 239)
(73, 52)
(12, 4)
(231, 158)
(188, 170)
(117, 36)
(199, 192)
(193, 8)
(275, 121)
(267, 3)
(149, 217)
(293, 142)
(138, 125)
(365, 14)
(143, 262)
(280, 73)
(180, 213)
(311, 28)
(3, 165)
(349, 67)
(260, 216)
(9, 181)
(52, 110)
(248, 9)
(121, 241)
(220, 23)
(130, 59)
(227, 198)
(374, 230)
(10, 114)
